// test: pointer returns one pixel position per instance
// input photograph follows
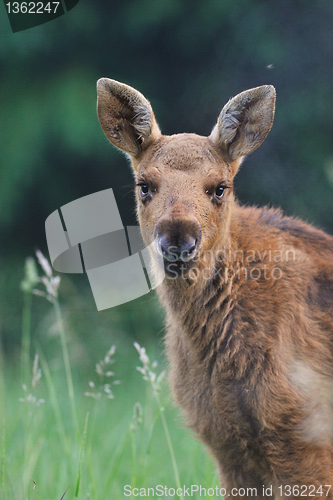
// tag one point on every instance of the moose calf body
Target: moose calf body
(248, 295)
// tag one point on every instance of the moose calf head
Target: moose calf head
(185, 181)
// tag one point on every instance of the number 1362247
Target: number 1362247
(32, 7)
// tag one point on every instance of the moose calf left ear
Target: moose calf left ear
(244, 122)
(126, 117)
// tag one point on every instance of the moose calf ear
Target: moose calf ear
(244, 122)
(126, 117)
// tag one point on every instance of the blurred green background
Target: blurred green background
(188, 58)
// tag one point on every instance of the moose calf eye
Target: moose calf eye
(219, 192)
(144, 189)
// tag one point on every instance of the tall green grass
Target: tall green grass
(68, 436)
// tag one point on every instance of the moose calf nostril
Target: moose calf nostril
(164, 246)
(192, 248)
(188, 249)
(168, 251)
(180, 252)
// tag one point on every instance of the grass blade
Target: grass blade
(54, 401)
(76, 494)
(3, 458)
(67, 366)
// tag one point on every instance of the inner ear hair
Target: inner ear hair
(244, 122)
(126, 116)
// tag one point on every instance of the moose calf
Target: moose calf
(248, 295)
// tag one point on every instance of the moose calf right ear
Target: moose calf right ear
(126, 117)
(244, 122)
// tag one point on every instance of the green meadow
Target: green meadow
(85, 413)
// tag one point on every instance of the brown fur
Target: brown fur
(249, 310)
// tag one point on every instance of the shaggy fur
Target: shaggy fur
(248, 295)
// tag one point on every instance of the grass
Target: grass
(76, 433)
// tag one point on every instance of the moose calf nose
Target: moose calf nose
(183, 252)
(178, 238)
